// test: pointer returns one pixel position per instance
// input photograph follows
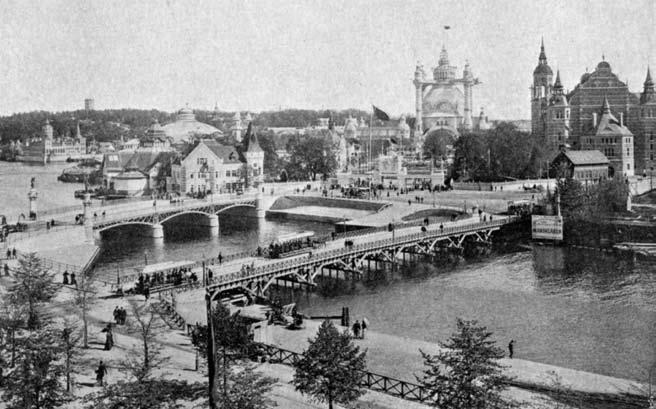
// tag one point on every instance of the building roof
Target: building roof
(131, 174)
(609, 125)
(116, 161)
(186, 126)
(227, 153)
(591, 157)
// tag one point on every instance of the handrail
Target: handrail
(262, 272)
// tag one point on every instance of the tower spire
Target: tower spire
(557, 84)
(648, 81)
(606, 105)
(543, 55)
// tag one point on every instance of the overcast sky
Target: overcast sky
(261, 55)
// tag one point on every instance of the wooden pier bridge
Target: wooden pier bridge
(354, 256)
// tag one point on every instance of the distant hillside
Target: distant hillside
(110, 124)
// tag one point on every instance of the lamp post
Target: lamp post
(146, 257)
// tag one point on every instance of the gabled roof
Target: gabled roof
(609, 125)
(227, 153)
(145, 160)
(116, 161)
(591, 157)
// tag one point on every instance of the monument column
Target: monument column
(32, 195)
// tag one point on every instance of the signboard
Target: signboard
(547, 227)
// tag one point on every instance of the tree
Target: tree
(242, 387)
(34, 286)
(436, 144)
(330, 369)
(471, 157)
(84, 298)
(147, 357)
(310, 156)
(35, 382)
(466, 373)
(148, 393)
(12, 319)
(69, 343)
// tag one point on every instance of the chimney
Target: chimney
(594, 119)
(621, 118)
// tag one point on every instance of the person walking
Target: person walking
(73, 280)
(109, 337)
(116, 315)
(65, 280)
(101, 371)
(13, 253)
(6, 269)
(511, 348)
(364, 326)
(356, 329)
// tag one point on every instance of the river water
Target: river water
(567, 307)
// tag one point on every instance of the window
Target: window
(201, 161)
(191, 176)
(227, 173)
(628, 166)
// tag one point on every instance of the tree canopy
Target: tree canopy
(466, 373)
(330, 369)
(310, 156)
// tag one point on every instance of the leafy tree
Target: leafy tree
(310, 156)
(471, 157)
(147, 393)
(12, 319)
(34, 286)
(510, 151)
(436, 145)
(35, 382)
(466, 373)
(330, 369)
(242, 387)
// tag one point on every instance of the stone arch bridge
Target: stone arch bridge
(162, 212)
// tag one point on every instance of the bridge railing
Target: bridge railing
(168, 207)
(262, 272)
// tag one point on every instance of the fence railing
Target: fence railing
(369, 380)
(262, 272)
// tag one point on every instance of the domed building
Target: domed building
(600, 113)
(186, 128)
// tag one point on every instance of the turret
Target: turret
(236, 128)
(468, 81)
(540, 93)
(648, 94)
(419, 97)
(254, 157)
(47, 130)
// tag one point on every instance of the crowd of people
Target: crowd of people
(277, 249)
(179, 276)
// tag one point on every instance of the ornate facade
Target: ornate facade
(599, 113)
(444, 101)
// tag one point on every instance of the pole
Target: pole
(211, 368)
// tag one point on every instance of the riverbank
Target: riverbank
(399, 358)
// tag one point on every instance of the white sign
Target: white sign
(547, 227)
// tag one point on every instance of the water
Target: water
(565, 307)
(15, 184)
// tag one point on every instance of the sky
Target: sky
(264, 55)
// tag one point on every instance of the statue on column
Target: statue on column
(32, 195)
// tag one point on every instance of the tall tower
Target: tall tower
(255, 160)
(541, 93)
(467, 82)
(420, 76)
(89, 104)
(557, 117)
(236, 128)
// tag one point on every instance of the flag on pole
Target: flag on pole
(380, 114)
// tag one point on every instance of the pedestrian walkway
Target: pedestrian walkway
(399, 358)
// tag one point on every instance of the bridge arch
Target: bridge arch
(234, 206)
(126, 223)
(186, 212)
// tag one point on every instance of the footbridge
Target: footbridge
(162, 211)
(354, 256)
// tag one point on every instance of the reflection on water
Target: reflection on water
(573, 308)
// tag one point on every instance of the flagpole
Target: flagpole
(371, 120)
